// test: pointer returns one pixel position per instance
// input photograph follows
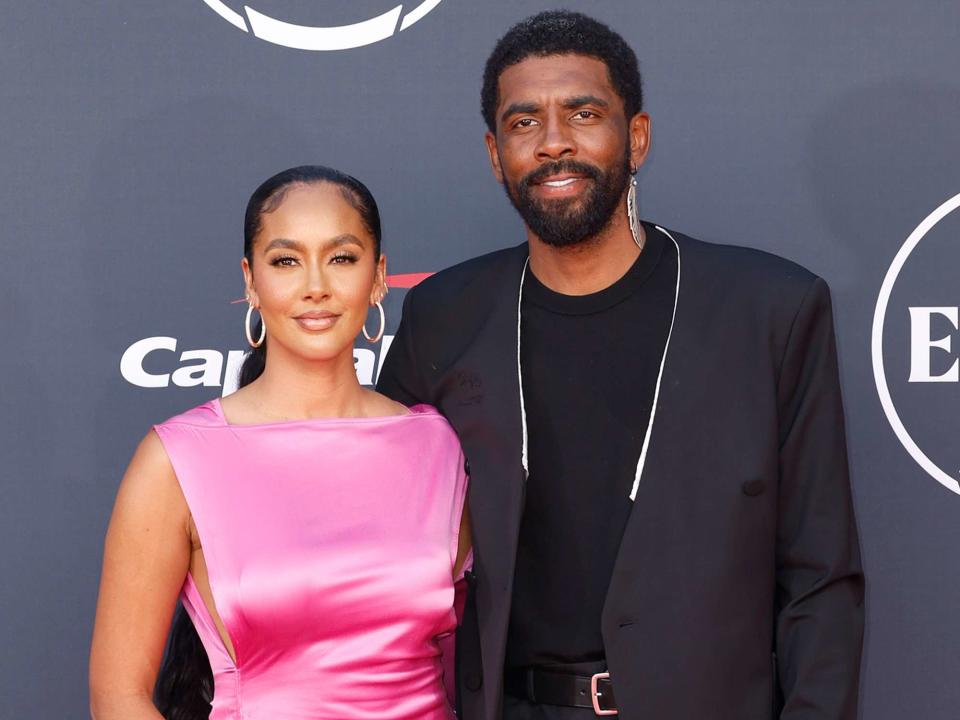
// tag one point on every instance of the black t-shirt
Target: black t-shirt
(590, 366)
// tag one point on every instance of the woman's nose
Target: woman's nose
(315, 284)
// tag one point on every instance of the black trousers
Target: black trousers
(514, 709)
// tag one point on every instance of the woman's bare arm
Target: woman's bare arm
(146, 557)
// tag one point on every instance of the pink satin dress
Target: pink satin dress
(329, 546)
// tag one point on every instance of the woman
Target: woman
(312, 528)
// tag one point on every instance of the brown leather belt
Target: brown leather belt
(547, 686)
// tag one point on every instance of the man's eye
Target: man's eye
(525, 122)
(585, 114)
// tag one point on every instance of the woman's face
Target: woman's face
(314, 273)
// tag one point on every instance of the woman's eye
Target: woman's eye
(283, 260)
(343, 258)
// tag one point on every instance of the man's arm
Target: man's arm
(401, 375)
(819, 630)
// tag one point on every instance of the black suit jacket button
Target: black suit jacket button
(473, 681)
(466, 467)
(752, 488)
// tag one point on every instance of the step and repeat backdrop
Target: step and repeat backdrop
(133, 133)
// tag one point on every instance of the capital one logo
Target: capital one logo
(364, 31)
(916, 344)
(157, 362)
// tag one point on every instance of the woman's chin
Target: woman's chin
(318, 349)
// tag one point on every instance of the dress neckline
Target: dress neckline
(419, 409)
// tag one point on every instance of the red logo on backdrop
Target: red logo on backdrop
(406, 281)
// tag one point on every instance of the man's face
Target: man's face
(563, 146)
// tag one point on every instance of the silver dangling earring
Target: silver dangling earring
(383, 325)
(632, 215)
(246, 327)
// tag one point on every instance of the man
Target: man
(653, 428)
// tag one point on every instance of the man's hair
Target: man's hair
(562, 32)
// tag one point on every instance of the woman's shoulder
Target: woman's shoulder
(186, 429)
(437, 422)
(381, 406)
(208, 414)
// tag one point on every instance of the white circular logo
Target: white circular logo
(922, 360)
(315, 37)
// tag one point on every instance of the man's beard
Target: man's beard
(567, 222)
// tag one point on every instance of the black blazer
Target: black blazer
(737, 592)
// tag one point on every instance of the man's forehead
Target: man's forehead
(549, 75)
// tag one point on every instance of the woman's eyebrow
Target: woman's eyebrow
(283, 243)
(286, 244)
(344, 239)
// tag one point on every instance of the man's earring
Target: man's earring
(632, 215)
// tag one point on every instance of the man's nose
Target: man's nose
(556, 140)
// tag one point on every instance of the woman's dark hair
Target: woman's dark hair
(184, 688)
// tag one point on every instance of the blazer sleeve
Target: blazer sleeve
(401, 375)
(820, 614)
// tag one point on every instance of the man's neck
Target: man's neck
(588, 267)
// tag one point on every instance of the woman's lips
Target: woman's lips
(313, 322)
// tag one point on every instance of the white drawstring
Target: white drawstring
(663, 362)
(524, 461)
(523, 407)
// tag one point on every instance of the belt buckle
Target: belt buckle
(595, 694)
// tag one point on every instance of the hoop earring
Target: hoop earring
(383, 325)
(632, 215)
(246, 327)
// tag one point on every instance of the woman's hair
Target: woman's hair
(184, 688)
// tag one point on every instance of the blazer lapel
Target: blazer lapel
(678, 403)
(481, 398)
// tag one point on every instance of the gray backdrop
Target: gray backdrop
(132, 134)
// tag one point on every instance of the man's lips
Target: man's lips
(316, 320)
(560, 180)
(560, 185)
